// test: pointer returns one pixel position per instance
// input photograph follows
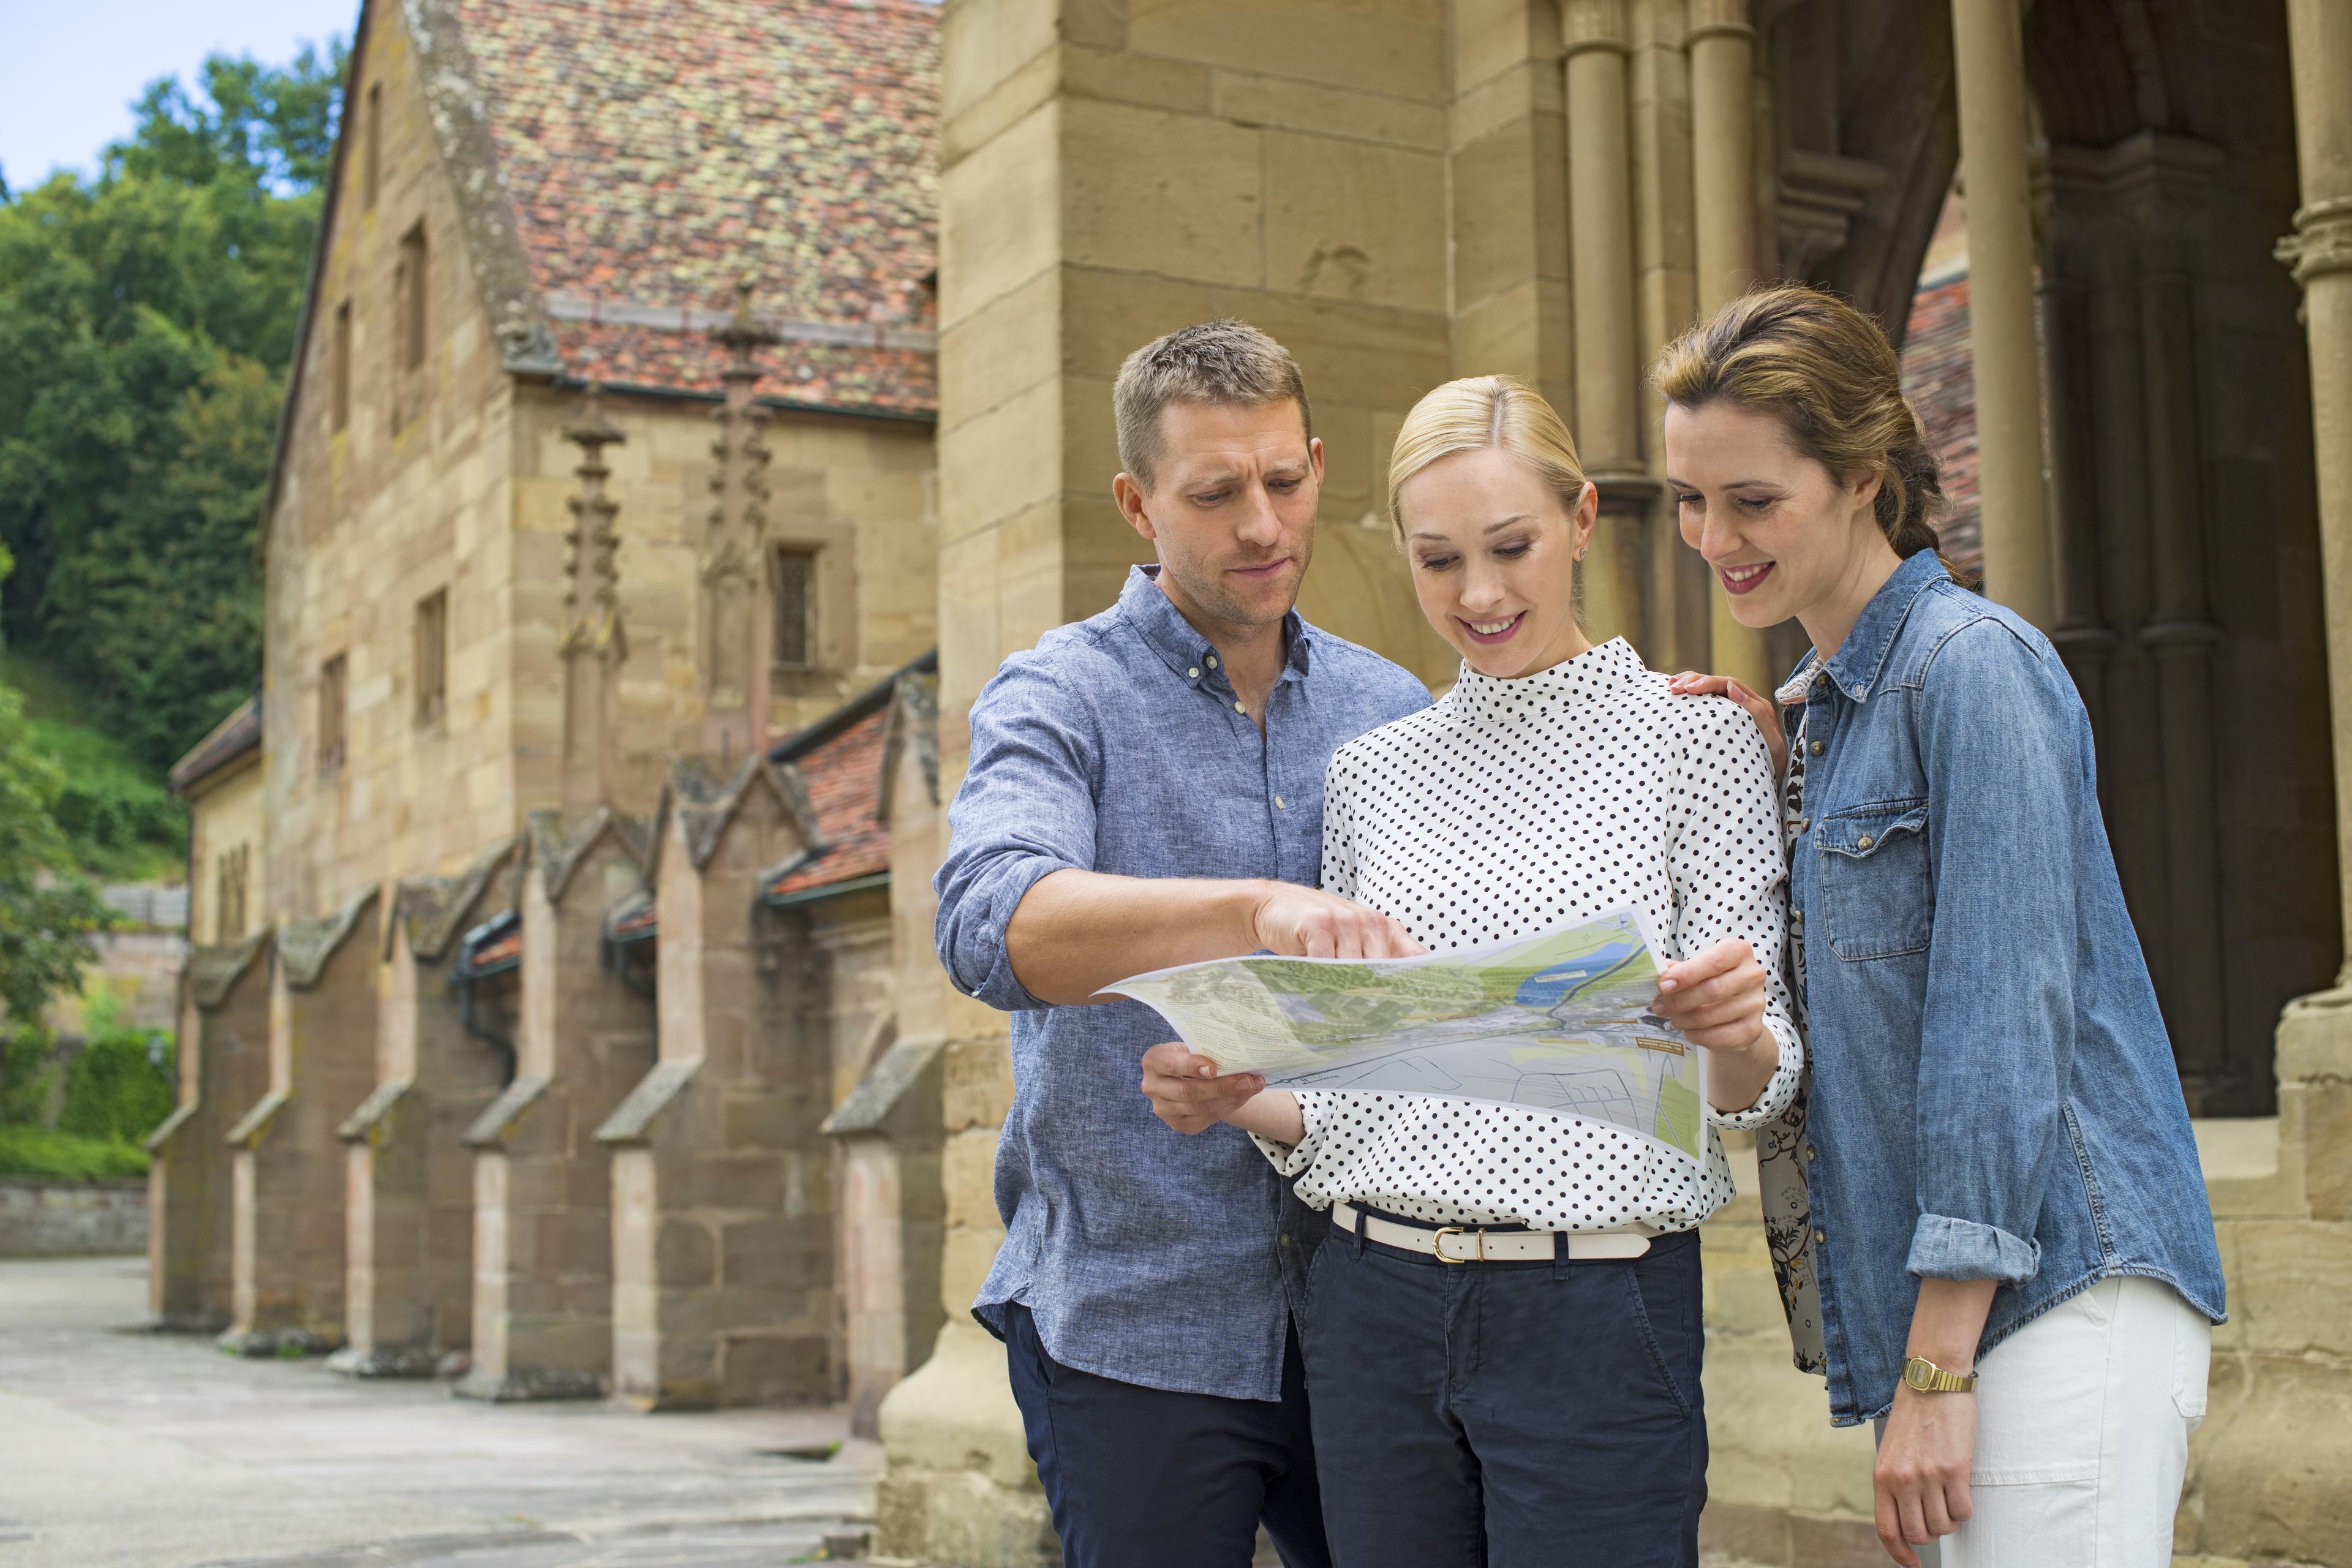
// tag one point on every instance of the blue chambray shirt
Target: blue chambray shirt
(1117, 746)
(1994, 1094)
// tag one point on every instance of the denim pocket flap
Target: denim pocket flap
(1866, 829)
(1876, 888)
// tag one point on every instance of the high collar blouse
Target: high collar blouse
(1509, 808)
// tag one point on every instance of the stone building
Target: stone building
(645, 904)
(1403, 190)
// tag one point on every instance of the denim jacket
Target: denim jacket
(1994, 1095)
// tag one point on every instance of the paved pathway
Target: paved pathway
(120, 1448)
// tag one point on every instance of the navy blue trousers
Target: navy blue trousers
(1508, 1415)
(1145, 1477)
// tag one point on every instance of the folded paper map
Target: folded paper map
(1558, 1021)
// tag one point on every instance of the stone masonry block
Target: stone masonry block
(978, 1084)
(774, 1254)
(993, 205)
(1393, 47)
(1147, 191)
(1007, 346)
(684, 1255)
(1354, 221)
(1292, 105)
(967, 1175)
(776, 1369)
(2293, 1280)
(1492, 36)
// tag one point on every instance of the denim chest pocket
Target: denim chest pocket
(1878, 896)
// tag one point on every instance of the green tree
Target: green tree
(146, 315)
(48, 909)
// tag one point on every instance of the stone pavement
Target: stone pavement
(120, 1448)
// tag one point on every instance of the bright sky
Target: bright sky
(70, 69)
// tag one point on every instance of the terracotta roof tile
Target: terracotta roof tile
(844, 777)
(1940, 378)
(656, 149)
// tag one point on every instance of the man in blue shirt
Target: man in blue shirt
(1146, 789)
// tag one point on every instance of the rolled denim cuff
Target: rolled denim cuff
(1943, 1247)
(972, 940)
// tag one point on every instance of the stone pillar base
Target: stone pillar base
(352, 1361)
(960, 1487)
(529, 1384)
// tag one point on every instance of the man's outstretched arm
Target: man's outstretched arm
(1076, 932)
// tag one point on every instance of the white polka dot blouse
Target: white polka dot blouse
(1508, 807)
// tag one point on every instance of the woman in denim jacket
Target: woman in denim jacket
(1987, 1212)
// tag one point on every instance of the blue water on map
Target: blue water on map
(1547, 988)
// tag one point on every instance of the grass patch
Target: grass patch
(119, 813)
(67, 1156)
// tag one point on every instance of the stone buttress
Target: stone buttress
(542, 1183)
(285, 1161)
(722, 1214)
(224, 1068)
(409, 1217)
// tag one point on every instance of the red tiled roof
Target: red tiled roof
(844, 777)
(1939, 377)
(654, 149)
(508, 949)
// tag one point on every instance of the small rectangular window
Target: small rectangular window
(340, 367)
(795, 581)
(335, 713)
(374, 181)
(411, 280)
(431, 656)
(228, 899)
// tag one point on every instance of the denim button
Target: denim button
(1820, 1238)
(1193, 673)
(1863, 842)
(1213, 661)
(1241, 707)
(1817, 745)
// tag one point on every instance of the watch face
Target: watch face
(1915, 1373)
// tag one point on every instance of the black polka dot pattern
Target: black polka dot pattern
(1510, 808)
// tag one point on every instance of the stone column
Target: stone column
(2320, 251)
(1989, 57)
(1723, 178)
(1601, 256)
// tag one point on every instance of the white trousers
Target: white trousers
(2083, 1425)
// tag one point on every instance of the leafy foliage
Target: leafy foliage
(120, 1086)
(144, 316)
(67, 1156)
(48, 910)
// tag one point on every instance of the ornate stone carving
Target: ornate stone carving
(733, 577)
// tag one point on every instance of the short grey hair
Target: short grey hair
(1225, 361)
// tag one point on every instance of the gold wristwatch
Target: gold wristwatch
(1928, 1378)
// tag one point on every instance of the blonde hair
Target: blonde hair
(1829, 375)
(1478, 412)
(1223, 362)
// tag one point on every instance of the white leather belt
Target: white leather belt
(1469, 1244)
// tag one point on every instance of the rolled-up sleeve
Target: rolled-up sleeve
(1025, 810)
(1997, 1034)
(1731, 877)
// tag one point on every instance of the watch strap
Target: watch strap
(1928, 1378)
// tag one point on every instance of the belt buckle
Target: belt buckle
(1437, 1243)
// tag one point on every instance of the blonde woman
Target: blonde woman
(1502, 1331)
